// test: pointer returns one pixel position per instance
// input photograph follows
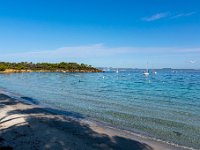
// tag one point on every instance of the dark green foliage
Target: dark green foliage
(2, 67)
(63, 66)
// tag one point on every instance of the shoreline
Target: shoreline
(103, 132)
(10, 71)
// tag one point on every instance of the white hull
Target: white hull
(146, 74)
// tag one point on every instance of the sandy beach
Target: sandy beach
(29, 127)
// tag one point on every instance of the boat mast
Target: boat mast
(147, 67)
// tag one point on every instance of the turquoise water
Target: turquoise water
(165, 106)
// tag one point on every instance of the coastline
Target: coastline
(8, 71)
(28, 126)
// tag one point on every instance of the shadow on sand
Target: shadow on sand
(43, 132)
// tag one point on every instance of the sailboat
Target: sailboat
(117, 71)
(146, 73)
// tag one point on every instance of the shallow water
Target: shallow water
(165, 106)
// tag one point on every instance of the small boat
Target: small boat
(117, 71)
(146, 73)
(154, 72)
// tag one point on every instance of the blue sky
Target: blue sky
(117, 33)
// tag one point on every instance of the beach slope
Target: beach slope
(29, 127)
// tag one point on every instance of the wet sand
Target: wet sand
(30, 127)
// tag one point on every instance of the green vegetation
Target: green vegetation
(54, 67)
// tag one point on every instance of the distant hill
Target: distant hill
(7, 67)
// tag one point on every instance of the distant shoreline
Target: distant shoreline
(7, 67)
(7, 71)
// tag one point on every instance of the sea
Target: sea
(164, 106)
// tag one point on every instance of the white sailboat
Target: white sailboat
(146, 73)
(117, 71)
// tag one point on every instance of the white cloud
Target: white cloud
(192, 61)
(183, 15)
(163, 15)
(157, 16)
(92, 52)
(101, 55)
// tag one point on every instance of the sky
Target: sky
(102, 33)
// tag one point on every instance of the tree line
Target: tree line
(64, 66)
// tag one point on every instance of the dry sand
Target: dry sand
(30, 127)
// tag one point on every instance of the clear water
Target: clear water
(165, 106)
